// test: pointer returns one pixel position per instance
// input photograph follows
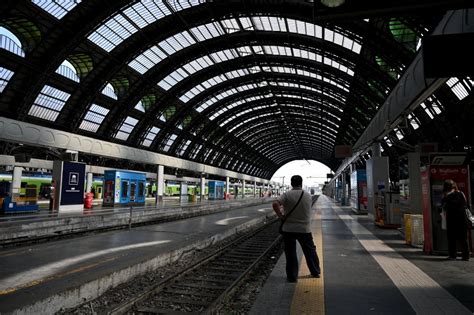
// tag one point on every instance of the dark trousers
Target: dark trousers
(455, 237)
(309, 250)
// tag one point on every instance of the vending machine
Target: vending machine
(358, 200)
(432, 180)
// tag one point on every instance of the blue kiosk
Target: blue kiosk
(215, 190)
(124, 188)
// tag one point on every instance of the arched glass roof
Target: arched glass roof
(247, 85)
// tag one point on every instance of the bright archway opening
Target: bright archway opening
(314, 174)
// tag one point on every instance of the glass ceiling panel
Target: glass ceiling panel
(5, 76)
(246, 87)
(211, 30)
(126, 128)
(93, 118)
(225, 55)
(140, 14)
(150, 136)
(49, 103)
(58, 9)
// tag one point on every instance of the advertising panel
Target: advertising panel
(72, 188)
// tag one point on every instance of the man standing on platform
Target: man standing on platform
(296, 225)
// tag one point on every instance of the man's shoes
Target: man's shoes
(316, 275)
(292, 280)
(450, 258)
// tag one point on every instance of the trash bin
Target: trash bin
(88, 200)
(192, 198)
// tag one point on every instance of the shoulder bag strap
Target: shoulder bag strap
(287, 215)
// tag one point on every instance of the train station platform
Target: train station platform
(45, 224)
(42, 278)
(367, 270)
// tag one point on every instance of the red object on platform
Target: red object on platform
(88, 200)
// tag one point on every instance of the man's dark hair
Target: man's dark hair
(296, 181)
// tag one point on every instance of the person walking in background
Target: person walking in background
(454, 203)
(297, 226)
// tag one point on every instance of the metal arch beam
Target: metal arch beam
(211, 127)
(22, 132)
(265, 76)
(169, 65)
(280, 93)
(283, 100)
(262, 112)
(268, 136)
(314, 113)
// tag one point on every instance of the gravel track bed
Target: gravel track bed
(244, 296)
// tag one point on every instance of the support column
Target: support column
(183, 191)
(203, 188)
(227, 185)
(16, 182)
(160, 183)
(344, 190)
(89, 182)
(243, 188)
(255, 189)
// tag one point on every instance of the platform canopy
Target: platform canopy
(241, 85)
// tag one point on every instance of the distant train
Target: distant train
(43, 183)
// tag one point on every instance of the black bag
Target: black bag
(280, 229)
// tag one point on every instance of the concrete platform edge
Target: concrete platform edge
(91, 290)
(24, 231)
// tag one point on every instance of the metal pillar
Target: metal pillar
(89, 182)
(203, 188)
(160, 183)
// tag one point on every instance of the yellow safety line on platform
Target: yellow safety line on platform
(308, 297)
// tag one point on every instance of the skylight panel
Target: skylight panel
(328, 35)
(310, 29)
(150, 136)
(399, 134)
(126, 128)
(144, 13)
(140, 106)
(413, 121)
(49, 103)
(109, 91)
(184, 147)
(247, 24)
(5, 76)
(201, 32)
(458, 88)
(301, 27)
(112, 33)
(58, 9)
(93, 118)
(427, 111)
(10, 42)
(169, 142)
(292, 25)
(230, 25)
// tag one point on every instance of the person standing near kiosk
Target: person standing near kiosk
(454, 203)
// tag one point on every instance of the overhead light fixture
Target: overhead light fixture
(332, 3)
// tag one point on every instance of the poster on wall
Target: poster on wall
(72, 188)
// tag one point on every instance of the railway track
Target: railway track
(202, 287)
